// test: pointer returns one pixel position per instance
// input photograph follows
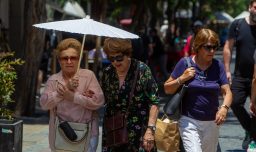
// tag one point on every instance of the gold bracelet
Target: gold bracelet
(225, 106)
(178, 81)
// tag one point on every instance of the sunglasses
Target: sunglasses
(208, 48)
(118, 58)
(71, 58)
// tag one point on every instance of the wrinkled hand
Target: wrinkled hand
(89, 93)
(221, 116)
(73, 83)
(188, 74)
(148, 140)
(253, 108)
(229, 77)
(64, 92)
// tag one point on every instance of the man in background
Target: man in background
(242, 34)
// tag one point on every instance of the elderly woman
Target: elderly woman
(72, 95)
(117, 81)
(206, 79)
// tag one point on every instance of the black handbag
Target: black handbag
(172, 108)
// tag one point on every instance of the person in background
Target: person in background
(117, 81)
(206, 80)
(252, 147)
(242, 35)
(72, 95)
(187, 51)
(158, 56)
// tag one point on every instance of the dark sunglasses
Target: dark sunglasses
(118, 58)
(210, 47)
(71, 58)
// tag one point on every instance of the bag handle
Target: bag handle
(188, 65)
(132, 90)
(188, 62)
(66, 138)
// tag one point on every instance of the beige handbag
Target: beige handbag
(167, 136)
(83, 132)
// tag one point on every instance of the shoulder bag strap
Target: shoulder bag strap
(188, 65)
(132, 90)
(188, 62)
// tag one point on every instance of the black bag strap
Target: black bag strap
(237, 28)
(188, 63)
(132, 90)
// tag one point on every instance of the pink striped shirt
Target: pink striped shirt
(81, 109)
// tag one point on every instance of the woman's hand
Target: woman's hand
(221, 116)
(73, 83)
(188, 74)
(148, 140)
(88, 93)
(64, 92)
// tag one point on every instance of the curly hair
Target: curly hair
(116, 45)
(68, 43)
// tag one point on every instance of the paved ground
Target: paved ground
(35, 135)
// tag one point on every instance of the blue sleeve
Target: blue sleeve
(179, 68)
(223, 76)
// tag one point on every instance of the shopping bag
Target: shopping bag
(167, 135)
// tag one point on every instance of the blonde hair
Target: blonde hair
(202, 37)
(116, 45)
(68, 43)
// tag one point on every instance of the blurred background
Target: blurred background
(172, 19)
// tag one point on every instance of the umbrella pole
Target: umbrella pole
(81, 54)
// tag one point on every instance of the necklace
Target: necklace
(120, 76)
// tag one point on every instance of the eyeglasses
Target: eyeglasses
(210, 47)
(71, 58)
(118, 58)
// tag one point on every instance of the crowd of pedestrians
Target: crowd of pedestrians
(76, 94)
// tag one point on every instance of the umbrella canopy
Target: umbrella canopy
(73, 8)
(242, 15)
(87, 27)
(223, 17)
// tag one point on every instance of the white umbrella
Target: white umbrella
(242, 15)
(73, 8)
(87, 27)
(223, 17)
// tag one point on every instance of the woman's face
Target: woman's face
(68, 60)
(207, 51)
(119, 61)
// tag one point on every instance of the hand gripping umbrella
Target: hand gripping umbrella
(86, 26)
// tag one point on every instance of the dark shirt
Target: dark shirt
(201, 99)
(254, 57)
(145, 94)
(245, 47)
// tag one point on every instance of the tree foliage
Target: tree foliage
(7, 77)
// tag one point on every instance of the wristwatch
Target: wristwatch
(153, 128)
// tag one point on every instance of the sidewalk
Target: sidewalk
(35, 134)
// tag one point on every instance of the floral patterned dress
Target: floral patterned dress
(145, 94)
